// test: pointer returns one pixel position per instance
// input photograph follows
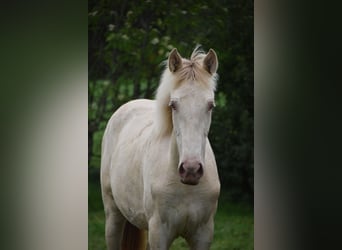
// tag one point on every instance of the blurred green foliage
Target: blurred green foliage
(128, 40)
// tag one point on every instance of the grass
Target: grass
(234, 225)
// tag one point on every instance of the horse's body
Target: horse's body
(150, 179)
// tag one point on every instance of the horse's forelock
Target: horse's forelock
(193, 70)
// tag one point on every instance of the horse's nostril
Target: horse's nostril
(181, 169)
(200, 170)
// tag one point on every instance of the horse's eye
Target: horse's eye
(173, 105)
(211, 105)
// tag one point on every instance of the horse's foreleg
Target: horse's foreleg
(158, 235)
(114, 224)
(114, 230)
(202, 237)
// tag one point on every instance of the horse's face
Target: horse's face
(192, 102)
(191, 117)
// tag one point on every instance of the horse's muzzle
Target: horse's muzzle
(190, 172)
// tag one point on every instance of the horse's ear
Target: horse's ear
(210, 62)
(175, 60)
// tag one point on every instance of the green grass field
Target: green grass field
(234, 225)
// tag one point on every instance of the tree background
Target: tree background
(128, 40)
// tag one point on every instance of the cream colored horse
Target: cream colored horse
(158, 171)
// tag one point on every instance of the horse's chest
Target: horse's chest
(186, 212)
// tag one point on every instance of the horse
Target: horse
(159, 178)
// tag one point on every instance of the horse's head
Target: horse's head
(191, 102)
